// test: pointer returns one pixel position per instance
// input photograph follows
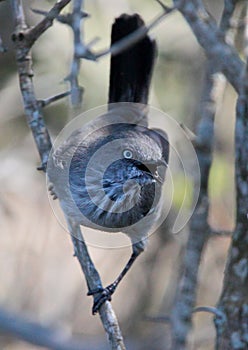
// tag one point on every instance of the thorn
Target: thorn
(164, 7)
(44, 103)
(66, 19)
(39, 12)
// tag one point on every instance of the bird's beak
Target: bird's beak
(162, 162)
(152, 166)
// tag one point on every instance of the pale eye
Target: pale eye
(127, 154)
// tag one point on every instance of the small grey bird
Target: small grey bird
(111, 179)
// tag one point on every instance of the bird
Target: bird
(110, 178)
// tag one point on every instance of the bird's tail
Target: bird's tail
(131, 70)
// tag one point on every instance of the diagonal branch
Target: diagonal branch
(93, 280)
(49, 100)
(34, 333)
(65, 19)
(211, 38)
(35, 32)
(134, 37)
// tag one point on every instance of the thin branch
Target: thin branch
(221, 233)
(209, 309)
(75, 23)
(212, 310)
(35, 32)
(82, 50)
(34, 333)
(134, 37)
(65, 19)
(24, 64)
(211, 38)
(49, 100)
(93, 279)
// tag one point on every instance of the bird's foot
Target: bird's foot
(101, 295)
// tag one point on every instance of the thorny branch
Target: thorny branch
(75, 23)
(226, 60)
(83, 50)
(24, 39)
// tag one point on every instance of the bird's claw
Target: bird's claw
(52, 192)
(100, 296)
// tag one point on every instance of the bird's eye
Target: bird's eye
(127, 154)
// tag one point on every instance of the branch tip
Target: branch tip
(212, 310)
(46, 102)
(164, 7)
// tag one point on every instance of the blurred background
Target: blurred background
(38, 275)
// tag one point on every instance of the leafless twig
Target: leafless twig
(211, 38)
(75, 23)
(49, 100)
(134, 37)
(35, 32)
(36, 334)
(65, 19)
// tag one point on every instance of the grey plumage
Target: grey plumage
(110, 194)
(109, 175)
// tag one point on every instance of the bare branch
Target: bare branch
(24, 64)
(35, 32)
(75, 23)
(93, 279)
(214, 232)
(210, 309)
(212, 40)
(134, 37)
(65, 19)
(47, 101)
(36, 334)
